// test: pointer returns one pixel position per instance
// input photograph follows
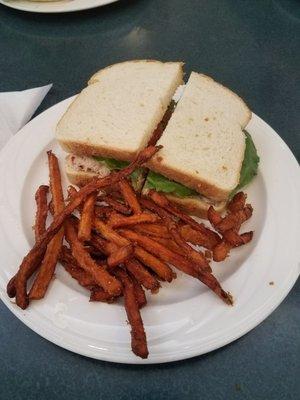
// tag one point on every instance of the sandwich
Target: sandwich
(206, 154)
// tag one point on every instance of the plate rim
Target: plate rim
(269, 306)
(41, 10)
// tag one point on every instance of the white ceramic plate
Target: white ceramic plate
(184, 319)
(59, 6)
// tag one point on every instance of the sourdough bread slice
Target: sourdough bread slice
(116, 114)
(203, 143)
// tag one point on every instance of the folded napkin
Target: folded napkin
(16, 109)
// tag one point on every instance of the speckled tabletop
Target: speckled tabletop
(252, 47)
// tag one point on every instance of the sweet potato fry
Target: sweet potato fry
(214, 217)
(210, 281)
(163, 202)
(234, 220)
(195, 237)
(103, 211)
(178, 261)
(71, 192)
(142, 275)
(98, 294)
(238, 202)
(39, 229)
(46, 271)
(130, 196)
(138, 335)
(157, 230)
(138, 292)
(116, 205)
(235, 240)
(120, 255)
(100, 275)
(109, 234)
(72, 267)
(160, 268)
(41, 211)
(117, 221)
(160, 251)
(221, 251)
(87, 215)
(170, 244)
(32, 258)
(196, 257)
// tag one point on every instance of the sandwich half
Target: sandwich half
(115, 116)
(203, 147)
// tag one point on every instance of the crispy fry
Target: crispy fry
(130, 196)
(41, 211)
(195, 237)
(103, 211)
(214, 217)
(33, 257)
(233, 238)
(100, 275)
(142, 275)
(46, 271)
(170, 244)
(138, 292)
(196, 257)
(98, 294)
(116, 205)
(119, 256)
(55, 183)
(163, 202)
(210, 281)
(234, 220)
(178, 261)
(71, 265)
(221, 251)
(71, 192)
(108, 233)
(87, 215)
(238, 202)
(161, 252)
(138, 336)
(160, 268)
(39, 229)
(157, 230)
(117, 221)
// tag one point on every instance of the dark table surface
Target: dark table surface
(252, 47)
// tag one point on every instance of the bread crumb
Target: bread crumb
(206, 119)
(224, 167)
(271, 283)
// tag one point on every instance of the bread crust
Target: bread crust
(249, 112)
(200, 185)
(93, 78)
(83, 149)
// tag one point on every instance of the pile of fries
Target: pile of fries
(115, 243)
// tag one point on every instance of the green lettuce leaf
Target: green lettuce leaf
(163, 184)
(250, 164)
(114, 165)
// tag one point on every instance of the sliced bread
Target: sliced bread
(116, 114)
(203, 143)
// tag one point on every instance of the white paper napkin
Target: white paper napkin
(16, 109)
